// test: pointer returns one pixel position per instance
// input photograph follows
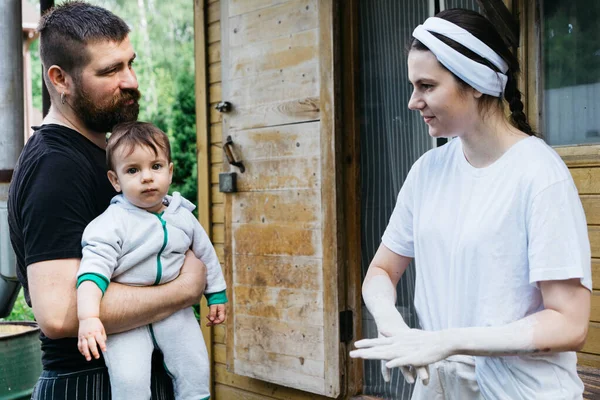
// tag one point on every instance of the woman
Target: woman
(497, 229)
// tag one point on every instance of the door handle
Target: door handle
(228, 148)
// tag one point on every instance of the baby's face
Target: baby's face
(143, 176)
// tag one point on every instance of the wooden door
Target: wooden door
(281, 247)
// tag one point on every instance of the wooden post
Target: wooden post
(202, 155)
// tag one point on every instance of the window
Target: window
(570, 52)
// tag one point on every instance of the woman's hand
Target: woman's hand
(409, 347)
(379, 293)
(395, 326)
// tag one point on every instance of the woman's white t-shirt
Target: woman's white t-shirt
(482, 238)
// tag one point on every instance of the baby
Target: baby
(141, 239)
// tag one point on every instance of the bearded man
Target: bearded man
(60, 184)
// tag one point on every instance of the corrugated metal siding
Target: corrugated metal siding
(392, 139)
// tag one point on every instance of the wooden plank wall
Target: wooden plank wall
(584, 164)
(228, 385)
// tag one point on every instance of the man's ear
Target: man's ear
(59, 79)
(170, 173)
(114, 180)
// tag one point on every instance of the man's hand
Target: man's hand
(216, 315)
(192, 278)
(91, 336)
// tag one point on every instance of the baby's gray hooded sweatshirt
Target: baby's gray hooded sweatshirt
(135, 247)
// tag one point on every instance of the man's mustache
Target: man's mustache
(129, 94)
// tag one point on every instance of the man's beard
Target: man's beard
(103, 117)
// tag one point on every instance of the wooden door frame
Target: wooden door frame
(203, 154)
(331, 187)
(348, 47)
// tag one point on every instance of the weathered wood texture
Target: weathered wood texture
(266, 389)
(274, 234)
(591, 381)
(588, 360)
(584, 162)
(580, 156)
(587, 179)
(202, 146)
(350, 143)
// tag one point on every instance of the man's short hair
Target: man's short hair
(67, 29)
(128, 135)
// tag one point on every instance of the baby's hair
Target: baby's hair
(128, 135)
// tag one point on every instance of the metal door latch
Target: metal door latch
(223, 106)
(231, 159)
(228, 180)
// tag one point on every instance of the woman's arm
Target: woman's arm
(54, 297)
(389, 263)
(379, 294)
(379, 288)
(561, 326)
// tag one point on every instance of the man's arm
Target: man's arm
(54, 297)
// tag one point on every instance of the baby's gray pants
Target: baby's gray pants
(128, 358)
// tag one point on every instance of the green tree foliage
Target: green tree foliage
(571, 43)
(36, 75)
(162, 34)
(20, 311)
(183, 138)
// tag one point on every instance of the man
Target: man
(60, 185)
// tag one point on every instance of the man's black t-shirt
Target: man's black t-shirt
(59, 185)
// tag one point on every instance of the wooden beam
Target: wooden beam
(501, 17)
(349, 163)
(203, 154)
(331, 196)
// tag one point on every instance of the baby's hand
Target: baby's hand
(91, 335)
(216, 314)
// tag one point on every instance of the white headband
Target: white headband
(478, 76)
